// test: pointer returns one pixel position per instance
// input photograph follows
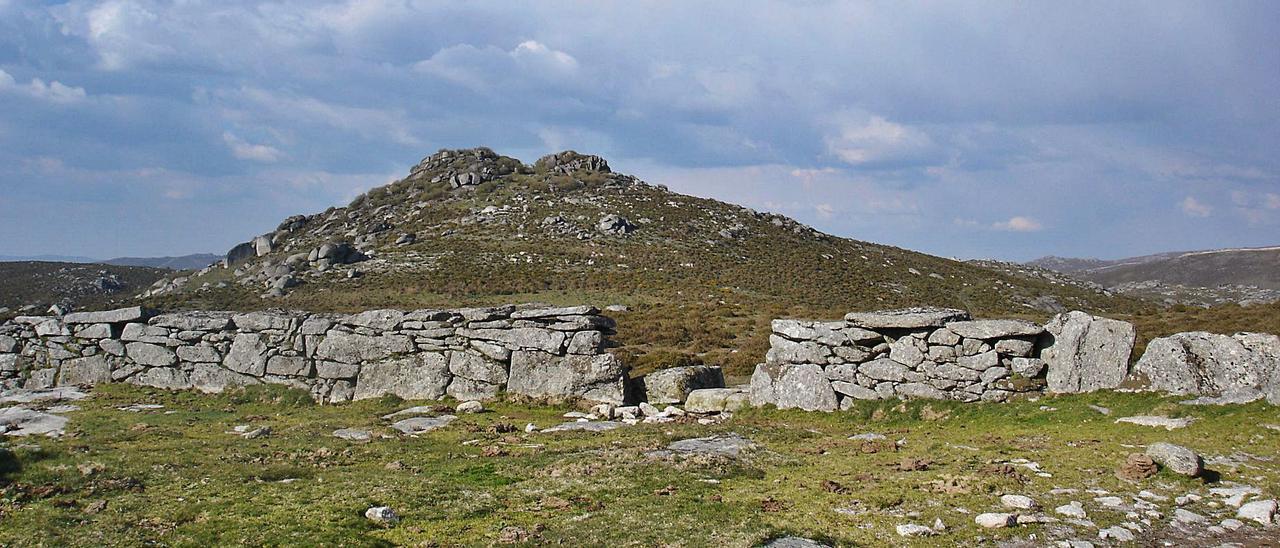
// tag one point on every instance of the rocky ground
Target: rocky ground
(128, 465)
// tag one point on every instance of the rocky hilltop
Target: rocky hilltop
(701, 278)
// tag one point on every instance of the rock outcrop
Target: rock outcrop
(468, 354)
(1084, 353)
(1205, 364)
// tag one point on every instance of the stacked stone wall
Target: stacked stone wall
(473, 353)
(927, 353)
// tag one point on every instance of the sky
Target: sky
(1007, 130)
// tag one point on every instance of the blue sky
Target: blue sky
(986, 129)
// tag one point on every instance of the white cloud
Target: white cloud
(861, 139)
(253, 104)
(1018, 224)
(1194, 208)
(245, 150)
(824, 211)
(490, 69)
(54, 91)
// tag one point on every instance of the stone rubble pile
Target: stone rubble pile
(468, 354)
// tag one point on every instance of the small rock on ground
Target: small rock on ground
(353, 434)
(381, 514)
(256, 433)
(1261, 511)
(995, 520)
(1116, 533)
(422, 425)
(418, 410)
(590, 426)
(43, 395)
(913, 530)
(1176, 458)
(20, 421)
(1158, 422)
(793, 542)
(470, 407)
(730, 445)
(1018, 502)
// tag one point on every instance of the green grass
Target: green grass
(181, 479)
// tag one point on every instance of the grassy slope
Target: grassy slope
(180, 479)
(44, 283)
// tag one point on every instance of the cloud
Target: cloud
(1194, 208)
(825, 211)
(866, 140)
(488, 69)
(54, 91)
(247, 151)
(1018, 224)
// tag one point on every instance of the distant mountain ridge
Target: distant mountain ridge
(194, 261)
(1257, 266)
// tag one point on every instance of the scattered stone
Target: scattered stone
(422, 425)
(416, 410)
(1158, 422)
(913, 530)
(1100, 409)
(472, 406)
(1116, 533)
(1018, 502)
(20, 421)
(717, 400)
(43, 395)
(729, 445)
(1232, 496)
(1261, 511)
(382, 514)
(590, 426)
(257, 433)
(1176, 458)
(353, 434)
(995, 520)
(869, 436)
(140, 407)
(1072, 510)
(794, 542)
(1183, 515)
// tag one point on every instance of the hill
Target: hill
(31, 287)
(1258, 267)
(185, 262)
(700, 278)
(1197, 278)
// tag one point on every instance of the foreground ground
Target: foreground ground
(179, 475)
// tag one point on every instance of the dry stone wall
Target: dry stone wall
(473, 353)
(936, 353)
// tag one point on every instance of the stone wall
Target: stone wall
(473, 353)
(936, 354)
